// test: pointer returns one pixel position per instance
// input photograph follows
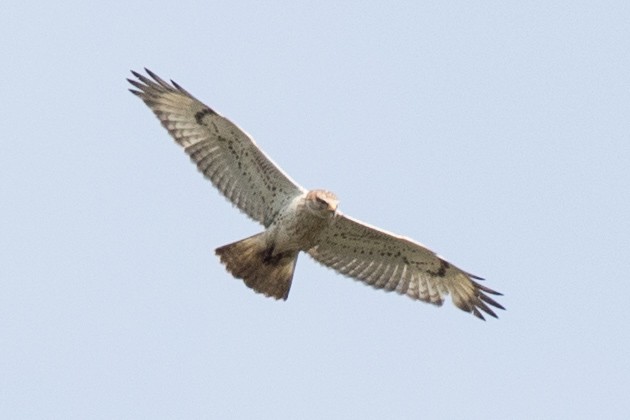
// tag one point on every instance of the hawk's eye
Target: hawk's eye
(321, 201)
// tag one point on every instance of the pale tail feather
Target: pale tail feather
(251, 261)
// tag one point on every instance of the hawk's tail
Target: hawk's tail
(252, 261)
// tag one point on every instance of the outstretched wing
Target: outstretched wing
(224, 153)
(394, 263)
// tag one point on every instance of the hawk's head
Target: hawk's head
(322, 202)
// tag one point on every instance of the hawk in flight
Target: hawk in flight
(296, 219)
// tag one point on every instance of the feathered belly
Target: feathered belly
(297, 231)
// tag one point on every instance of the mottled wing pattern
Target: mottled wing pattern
(224, 153)
(394, 263)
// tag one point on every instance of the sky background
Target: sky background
(496, 133)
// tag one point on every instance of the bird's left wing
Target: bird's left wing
(394, 263)
(224, 153)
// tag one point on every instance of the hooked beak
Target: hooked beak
(332, 206)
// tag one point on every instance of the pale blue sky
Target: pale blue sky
(497, 133)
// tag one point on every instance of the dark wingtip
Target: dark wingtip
(150, 73)
(489, 311)
(136, 83)
(154, 83)
(490, 301)
(483, 302)
(486, 289)
(478, 314)
(176, 85)
(181, 89)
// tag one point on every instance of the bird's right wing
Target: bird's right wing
(395, 263)
(224, 153)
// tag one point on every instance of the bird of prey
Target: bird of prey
(298, 220)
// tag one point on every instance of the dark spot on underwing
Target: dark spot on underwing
(199, 115)
(441, 272)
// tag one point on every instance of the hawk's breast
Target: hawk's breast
(297, 226)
